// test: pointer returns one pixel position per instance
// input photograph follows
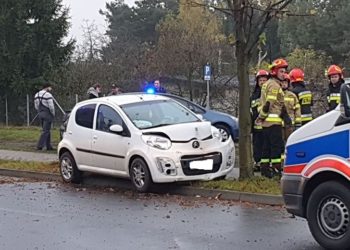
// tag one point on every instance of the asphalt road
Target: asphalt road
(35, 215)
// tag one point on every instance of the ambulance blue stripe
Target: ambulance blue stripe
(333, 144)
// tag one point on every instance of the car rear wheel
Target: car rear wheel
(224, 130)
(328, 215)
(140, 175)
(68, 169)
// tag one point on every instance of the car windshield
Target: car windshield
(151, 114)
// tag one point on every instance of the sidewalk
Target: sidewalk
(27, 156)
(103, 181)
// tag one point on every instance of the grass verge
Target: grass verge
(42, 167)
(23, 138)
(255, 184)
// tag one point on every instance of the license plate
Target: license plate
(202, 165)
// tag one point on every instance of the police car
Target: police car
(316, 178)
(147, 138)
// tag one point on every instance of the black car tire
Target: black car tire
(224, 130)
(68, 169)
(328, 213)
(140, 175)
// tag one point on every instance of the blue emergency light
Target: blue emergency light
(150, 90)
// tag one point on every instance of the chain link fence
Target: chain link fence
(20, 111)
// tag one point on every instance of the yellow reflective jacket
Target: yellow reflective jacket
(291, 102)
(271, 92)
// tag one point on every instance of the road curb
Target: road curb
(99, 181)
(30, 174)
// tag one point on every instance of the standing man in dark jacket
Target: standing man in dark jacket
(44, 104)
(336, 79)
(261, 77)
(114, 90)
(304, 95)
(94, 91)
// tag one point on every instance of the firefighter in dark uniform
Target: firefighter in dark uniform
(336, 79)
(304, 95)
(272, 103)
(261, 77)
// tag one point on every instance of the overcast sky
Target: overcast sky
(88, 10)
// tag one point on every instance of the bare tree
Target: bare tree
(187, 42)
(92, 44)
(249, 19)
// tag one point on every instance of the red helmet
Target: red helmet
(296, 75)
(334, 70)
(262, 73)
(286, 77)
(277, 64)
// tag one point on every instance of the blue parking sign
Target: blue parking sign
(207, 72)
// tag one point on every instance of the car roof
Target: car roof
(127, 98)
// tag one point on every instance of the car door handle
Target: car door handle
(94, 137)
(70, 132)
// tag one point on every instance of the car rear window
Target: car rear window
(85, 115)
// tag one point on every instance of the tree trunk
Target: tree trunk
(245, 146)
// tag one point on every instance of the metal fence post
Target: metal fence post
(28, 118)
(76, 98)
(6, 112)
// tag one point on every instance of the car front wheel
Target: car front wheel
(328, 215)
(140, 175)
(68, 169)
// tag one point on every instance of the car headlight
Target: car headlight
(216, 133)
(157, 141)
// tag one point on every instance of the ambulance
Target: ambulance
(316, 177)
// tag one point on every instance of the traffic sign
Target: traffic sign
(207, 73)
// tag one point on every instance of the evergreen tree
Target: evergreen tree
(31, 43)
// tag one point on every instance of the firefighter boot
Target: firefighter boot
(270, 172)
(264, 169)
(257, 167)
(277, 168)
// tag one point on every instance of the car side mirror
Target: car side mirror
(192, 109)
(116, 128)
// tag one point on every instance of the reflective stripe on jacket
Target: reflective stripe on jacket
(333, 95)
(305, 100)
(271, 92)
(293, 107)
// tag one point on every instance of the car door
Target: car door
(109, 149)
(80, 133)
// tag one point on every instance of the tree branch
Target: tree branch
(266, 17)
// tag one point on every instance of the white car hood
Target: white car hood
(184, 131)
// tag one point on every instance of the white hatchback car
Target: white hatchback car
(147, 138)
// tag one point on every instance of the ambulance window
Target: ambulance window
(345, 99)
(344, 118)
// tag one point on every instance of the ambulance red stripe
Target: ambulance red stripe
(295, 169)
(329, 164)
